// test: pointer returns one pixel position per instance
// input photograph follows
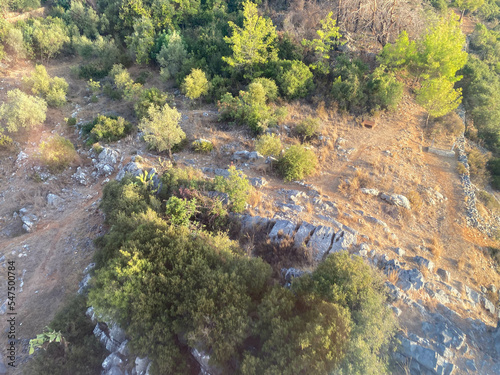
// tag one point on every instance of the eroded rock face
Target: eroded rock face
(133, 168)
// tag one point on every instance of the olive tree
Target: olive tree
(22, 111)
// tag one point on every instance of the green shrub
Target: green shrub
(297, 163)
(295, 79)
(172, 56)
(98, 56)
(82, 353)
(71, 121)
(270, 88)
(147, 98)
(236, 186)
(202, 146)
(308, 128)
(179, 211)
(107, 128)
(384, 90)
(23, 5)
(57, 153)
(183, 178)
(5, 141)
(195, 84)
(22, 111)
(53, 90)
(268, 145)
(124, 83)
(348, 89)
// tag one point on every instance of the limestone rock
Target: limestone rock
(423, 262)
(80, 176)
(303, 233)
(142, 365)
(321, 241)
(111, 360)
(258, 182)
(444, 275)
(373, 192)
(397, 200)
(343, 240)
(133, 168)
(282, 229)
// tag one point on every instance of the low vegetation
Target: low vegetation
(57, 153)
(297, 163)
(106, 128)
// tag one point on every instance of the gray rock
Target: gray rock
(258, 182)
(393, 291)
(240, 155)
(54, 200)
(397, 200)
(29, 221)
(423, 262)
(291, 273)
(441, 296)
(472, 295)
(488, 305)
(291, 207)
(282, 229)
(84, 284)
(444, 333)
(254, 155)
(89, 268)
(110, 337)
(132, 168)
(113, 371)
(343, 240)
(203, 359)
(321, 241)
(425, 357)
(123, 349)
(373, 192)
(111, 360)
(396, 311)
(21, 157)
(444, 275)
(108, 156)
(221, 172)
(471, 364)
(399, 251)
(303, 233)
(223, 197)
(141, 365)
(80, 176)
(413, 278)
(249, 222)
(375, 221)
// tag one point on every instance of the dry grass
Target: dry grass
(436, 247)
(393, 276)
(416, 200)
(461, 263)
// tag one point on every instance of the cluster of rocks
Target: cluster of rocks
(29, 220)
(394, 199)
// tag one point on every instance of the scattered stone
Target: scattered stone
(472, 295)
(423, 262)
(376, 221)
(411, 279)
(397, 200)
(113, 371)
(258, 182)
(142, 365)
(221, 172)
(80, 176)
(223, 197)
(54, 200)
(373, 192)
(396, 311)
(399, 251)
(133, 168)
(21, 157)
(444, 275)
(29, 221)
(488, 305)
(111, 360)
(292, 207)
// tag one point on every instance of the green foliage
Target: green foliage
(385, 91)
(43, 339)
(438, 96)
(468, 5)
(308, 128)
(270, 88)
(23, 5)
(5, 141)
(295, 79)
(349, 88)
(179, 211)
(297, 163)
(196, 84)
(236, 186)
(328, 38)
(124, 83)
(80, 354)
(161, 128)
(98, 56)
(93, 86)
(84, 18)
(268, 145)
(172, 56)
(250, 108)
(202, 146)
(351, 283)
(142, 39)
(15, 44)
(22, 111)
(493, 166)
(49, 37)
(57, 153)
(53, 90)
(255, 42)
(399, 55)
(106, 128)
(149, 97)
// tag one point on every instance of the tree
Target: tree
(255, 42)
(295, 79)
(328, 38)
(22, 111)
(399, 54)
(470, 5)
(142, 39)
(161, 128)
(236, 186)
(196, 84)
(172, 55)
(50, 36)
(439, 97)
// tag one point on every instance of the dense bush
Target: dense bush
(98, 56)
(250, 108)
(297, 163)
(107, 128)
(22, 111)
(202, 146)
(349, 86)
(81, 354)
(295, 79)
(308, 128)
(172, 56)
(57, 153)
(49, 37)
(236, 186)
(53, 90)
(179, 211)
(147, 98)
(23, 5)
(125, 85)
(268, 145)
